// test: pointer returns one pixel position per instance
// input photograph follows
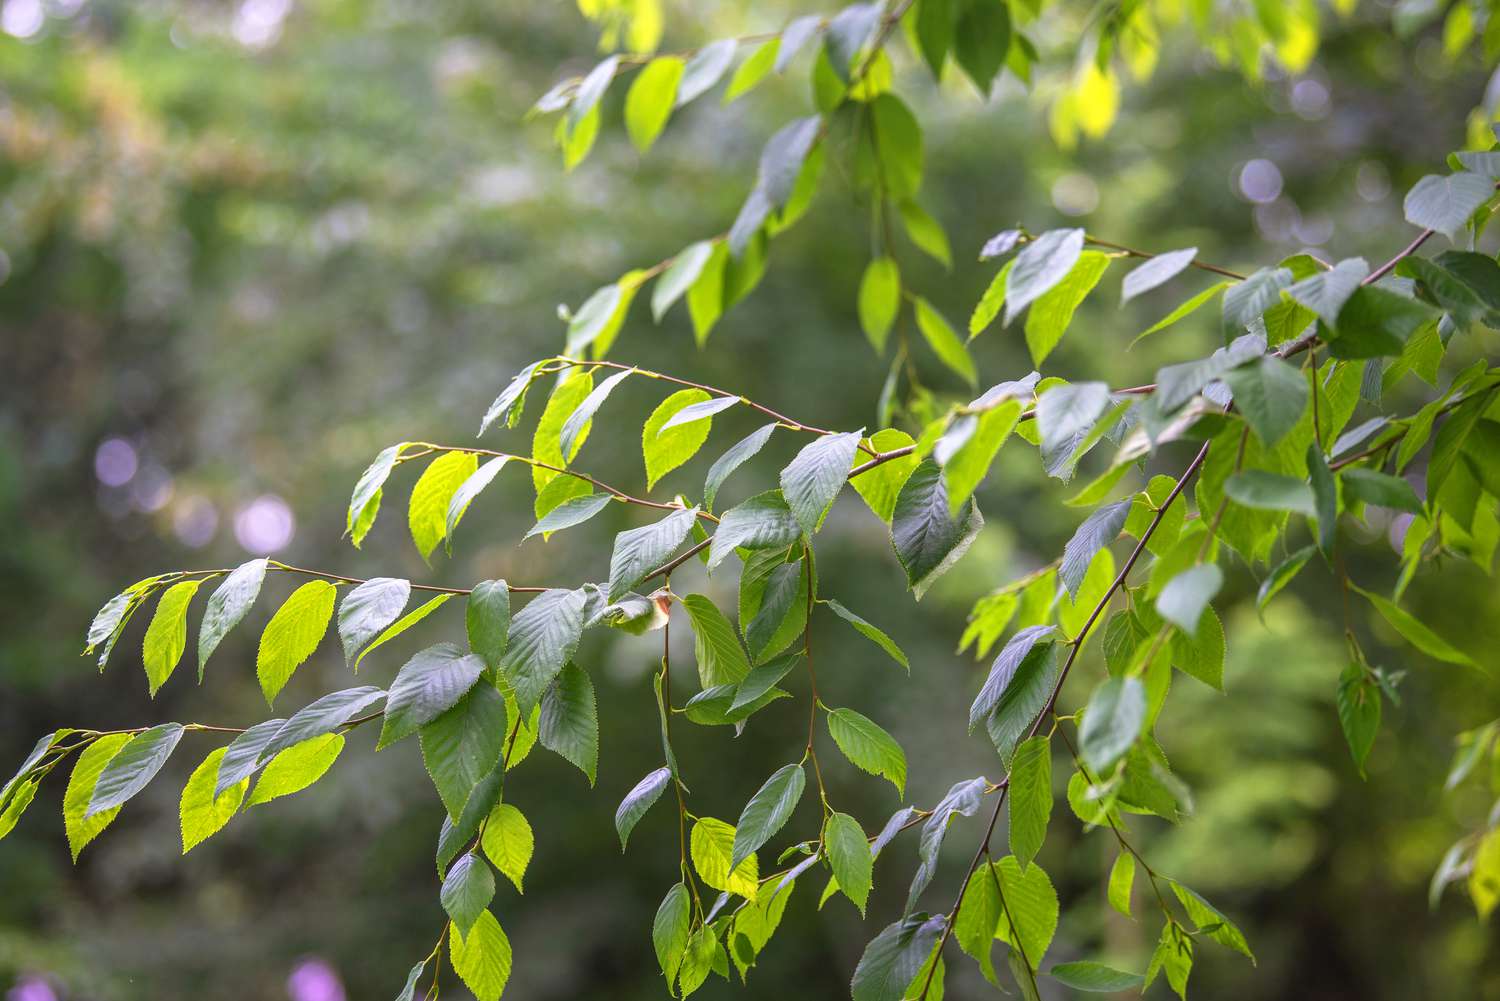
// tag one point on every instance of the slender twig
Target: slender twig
(1132, 252)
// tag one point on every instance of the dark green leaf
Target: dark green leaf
(639, 551)
(1271, 491)
(767, 812)
(765, 521)
(570, 720)
(464, 744)
(133, 767)
(467, 891)
(1183, 599)
(428, 685)
(227, 607)
(1377, 488)
(543, 636)
(870, 632)
(1271, 395)
(894, 957)
(368, 609)
(813, 479)
(1113, 720)
(927, 538)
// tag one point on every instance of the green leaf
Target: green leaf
(1445, 204)
(132, 767)
(870, 632)
(1006, 668)
(293, 634)
(711, 843)
(1325, 292)
(1267, 491)
(508, 405)
(1247, 301)
(1359, 712)
(574, 511)
(666, 450)
(988, 306)
(888, 151)
(202, 812)
(1039, 266)
(753, 70)
(966, 468)
(242, 756)
(166, 636)
(1325, 498)
(1053, 310)
(543, 636)
(455, 836)
(1121, 882)
(704, 69)
(463, 745)
(982, 40)
(812, 480)
(1376, 322)
(590, 90)
(1098, 530)
(765, 521)
(508, 842)
(893, 959)
(427, 513)
(649, 102)
(685, 269)
(1377, 488)
(1415, 632)
(944, 341)
(1182, 601)
(879, 300)
(227, 607)
(927, 538)
(761, 680)
(1282, 575)
(1029, 919)
(926, 233)
(669, 931)
(978, 917)
(706, 295)
(1156, 272)
(324, 715)
(481, 958)
(731, 460)
(467, 491)
(767, 812)
(1187, 308)
(1095, 978)
(1202, 655)
(1113, 720)
(1030, 798)
(638, 800)
(365, 501)
(881, 485)
(402, 624)
(639, 551)
(467, 891)
(1271, 395)
(1024, 698)
(868, 747)
(1174, 957)
(849, 855)
(427, 686)
(1211, 921)
(1065, 416)
(700, 411)
(368, 609)
(81, 826)
(487, 620)
(576, 427)
(296, 768)
(570, 721)
(721, 659)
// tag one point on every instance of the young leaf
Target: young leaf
(365, 501)
(1030, 917)
(427, 686)
(570, 720)
(712, 843)
(753, 70)
(402, 624)
(1096, 978)
(296, 768)
(879, 300)
(666, 450)
(649, 102)
(1359, 712)
(1121, 882)
(870, 632)
(705, 69)
(467, 891)
(1053, 310)
(669, 931)
(508, 842)
(482, 957)
(427, 512)
(543, 636)
(767, 812)
(1186, 309)
(132, 767)
(1113, 720)
(1156, 272)
(575, 428)
(81, 827)
(368, 609)
(638, 800)
(1415, 632)
(466, 492)
(321, 716)
(203, 811)
(166, 636)
(1187, 594)
(1097, 531)
(849, 855)
(925, 232)
(227, 607)
(868, 747)
(944, 341)
(879, 486)
(813, 479)
(293, 634)
(1030, 799)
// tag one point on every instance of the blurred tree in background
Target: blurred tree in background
(245, 246)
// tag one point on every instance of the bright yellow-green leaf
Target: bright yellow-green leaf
(166, 636)
(202, 814)
(481, 958)
(666, 450)
(296, 768)
(86, 771)
(427, 515)
(508, 842)
(649, 102)
(293, 634)
(712, 843)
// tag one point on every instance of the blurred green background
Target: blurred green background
(244, 246)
